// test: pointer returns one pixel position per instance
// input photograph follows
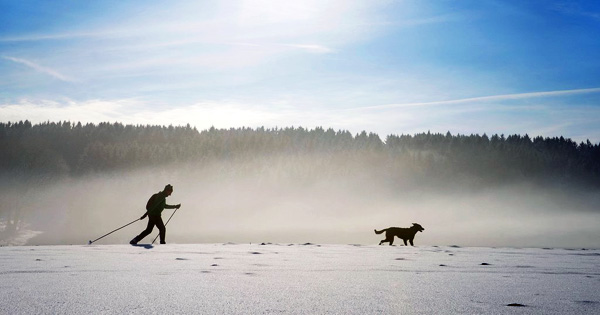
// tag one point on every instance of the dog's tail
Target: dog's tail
(379, 232)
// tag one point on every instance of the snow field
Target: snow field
(297, 279)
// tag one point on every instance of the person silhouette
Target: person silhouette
(154, 207)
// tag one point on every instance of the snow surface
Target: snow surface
(297, 279)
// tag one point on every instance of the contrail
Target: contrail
(487, 98)
(39, 68)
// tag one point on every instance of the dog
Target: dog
(406, 234)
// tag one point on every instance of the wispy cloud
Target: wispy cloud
(501, 97)
(56, 36)
(318, 49)
(454, 17)
(226, 37)
(311, 48)
(38, 111)
(40, 68)
(572, 8)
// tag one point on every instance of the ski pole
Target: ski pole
(90, 242)
(172, 214)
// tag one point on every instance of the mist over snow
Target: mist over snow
(271, 199)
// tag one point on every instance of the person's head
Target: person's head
(168, 190)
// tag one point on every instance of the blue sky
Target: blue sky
(388, 67)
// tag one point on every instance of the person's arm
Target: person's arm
(172, 206)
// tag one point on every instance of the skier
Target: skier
(155, 206)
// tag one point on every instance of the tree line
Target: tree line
(54, 149)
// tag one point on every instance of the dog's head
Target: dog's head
(418, 227)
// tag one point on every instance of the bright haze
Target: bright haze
(387, 67)
(382, 66)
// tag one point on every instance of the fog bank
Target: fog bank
(299, 199)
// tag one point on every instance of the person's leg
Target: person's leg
(162, 229)
(144, 233)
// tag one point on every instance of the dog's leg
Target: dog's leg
(382, 241)
(391, 241)
(405, 242)
(411, 242)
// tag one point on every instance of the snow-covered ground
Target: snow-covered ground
(297, 279)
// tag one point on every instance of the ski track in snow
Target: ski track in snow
(297, 279)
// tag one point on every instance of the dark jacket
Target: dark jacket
(157, 203)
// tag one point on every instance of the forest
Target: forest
(55, 149)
